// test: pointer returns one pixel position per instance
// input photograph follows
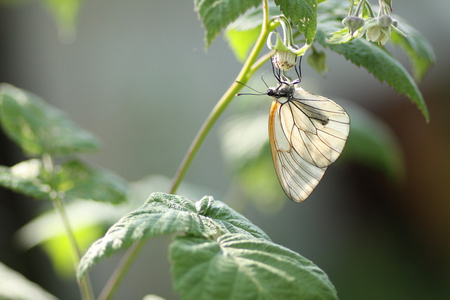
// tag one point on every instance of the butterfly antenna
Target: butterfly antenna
(257, 92)
(262, 78)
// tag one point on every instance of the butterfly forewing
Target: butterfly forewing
(307, 134)
(320, 127)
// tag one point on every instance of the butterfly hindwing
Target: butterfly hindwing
(297, 176)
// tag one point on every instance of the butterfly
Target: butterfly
(307, 133)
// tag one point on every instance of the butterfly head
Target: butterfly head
(283, 90)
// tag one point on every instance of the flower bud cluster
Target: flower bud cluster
(376, 29)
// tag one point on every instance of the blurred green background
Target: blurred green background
(137, 76)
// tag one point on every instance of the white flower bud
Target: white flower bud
(378, 34)
(353, 23)
(385, 21)
(284, 59)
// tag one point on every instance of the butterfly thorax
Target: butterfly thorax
(284, 92)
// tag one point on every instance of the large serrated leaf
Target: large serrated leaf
(303, 13)
(163, 214)
(39, 128)
(377, 61)
(241, 267)
(216, 15)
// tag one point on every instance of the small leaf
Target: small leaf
(39, 128)
(72, 180)
(378, 62)
(241, 42)
(339, 37)
(26, 178)
(216, 15)
(303, 13)
(241, 267)
(164, 214)
(80, 181)
(15, 286)
(417, 48)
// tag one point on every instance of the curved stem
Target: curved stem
(244, 75)
(84, 284)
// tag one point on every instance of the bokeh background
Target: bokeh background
(137, 75)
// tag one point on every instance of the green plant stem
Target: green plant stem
(84, 284)
(244, 75)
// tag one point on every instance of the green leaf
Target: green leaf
(303, 13)
(339, 37)
(243, 33)
(79, 181)
(378, 62)
(39, 128)
(72, 180)
(241, 267)
(15, 286)
(241, 42)
(417, 47)
(164, 214)
(389, 3)
(26, 178)
(216, 15)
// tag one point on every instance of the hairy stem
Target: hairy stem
(244, 75)
(84, 284)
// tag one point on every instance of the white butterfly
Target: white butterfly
(307, 133)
